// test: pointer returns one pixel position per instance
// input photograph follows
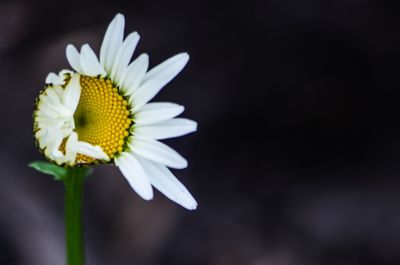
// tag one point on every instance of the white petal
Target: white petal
(39, 134)
(72, 93)
(54, 146)
(48, 136)
(156, 112)
(112, 42)
(64, 112)
(52, 101)
(168, 69)
(134, 74)
(157, 152)
(58, 90)
(124, 56)
(53, 95)
(89, 63)
(64, 73)
(52, 140)
(59, 109)
(166, 129)
(45, 140)
(45, 111)
(87, 149)
(70, 148)
(134, 173)
(144, 94)
(73, 58)
(157, 78)
(163, 180)
(66, 131)
(54, 79)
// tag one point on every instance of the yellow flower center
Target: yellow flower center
(102, 117)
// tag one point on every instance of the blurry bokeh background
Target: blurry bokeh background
(297, 156)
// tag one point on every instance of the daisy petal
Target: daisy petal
(112, 42)
(87, 149)
(89, 63)
(51, 141)
(157, 78)
(156, 112)
(58, 90)
(46, 139)
(168, 69)
(54, 146)
(163, 180)
(144, 94)
(54, 79)
(157, 152)
(134, 74)
(166, 129)
(64, 72)
(53, 96)
(73, 58)
(72, 93)
(135, 175)
(58, 109)
(45, 111)
(124, 56)
(70, 148)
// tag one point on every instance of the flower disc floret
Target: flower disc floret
(102, 117)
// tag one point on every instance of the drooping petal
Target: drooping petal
(166, 129)
(157, 152)
(51, 101)
(45, 139)
(163, 180)
(89, 63)
(112, 42)
(93, 151)
(72, 93)
(53, 96)
(70, 148)
(59, 109)
(135, 175)
(44, 123)
(134, 74)
(44, 111)
(73, 58)
(156, 112)
(157, 78)
(124, 56)
(54, 79)
(49, 139)
(58, 90)
(54, 145)
(64, 73)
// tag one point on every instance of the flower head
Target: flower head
(99, 112)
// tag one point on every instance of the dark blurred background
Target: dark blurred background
(296, 160)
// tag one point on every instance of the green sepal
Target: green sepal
(59, 173)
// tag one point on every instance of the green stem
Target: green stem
(74, 181)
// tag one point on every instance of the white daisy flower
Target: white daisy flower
(100, 113)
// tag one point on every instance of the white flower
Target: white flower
(100, 113)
